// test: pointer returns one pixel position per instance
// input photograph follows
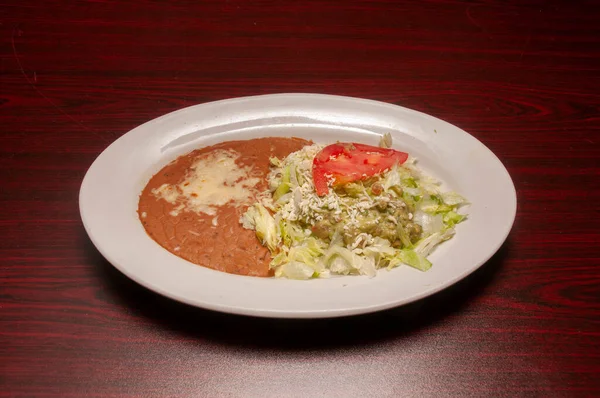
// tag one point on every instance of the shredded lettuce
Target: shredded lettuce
(341, 260)
(354, 229)
(392, 179)
(452, 218)
(257, 217)
(430, 223)
(414, 259)
(426, 245)
(307, 253)
(385, 141)
(275, 161)
(380, 249)
(284, 186)
(403, 235)
(452, 199)
(296, 270)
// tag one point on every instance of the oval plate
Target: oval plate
(110, 191)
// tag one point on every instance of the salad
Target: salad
(351, 209)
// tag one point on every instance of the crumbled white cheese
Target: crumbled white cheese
(303, 204)
(363, 239)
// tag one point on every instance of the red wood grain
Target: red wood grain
(521, 76)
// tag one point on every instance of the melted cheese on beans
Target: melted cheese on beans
(212, 181)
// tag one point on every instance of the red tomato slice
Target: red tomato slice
(348, 162)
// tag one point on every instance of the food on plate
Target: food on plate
(350, 209)
(350, 162)
(291, 208)
(193, 205)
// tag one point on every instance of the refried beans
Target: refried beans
(193, 205)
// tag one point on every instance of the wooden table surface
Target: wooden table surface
(521, 76)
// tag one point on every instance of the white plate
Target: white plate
(110, 190)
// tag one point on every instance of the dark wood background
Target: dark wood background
(521, 76)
